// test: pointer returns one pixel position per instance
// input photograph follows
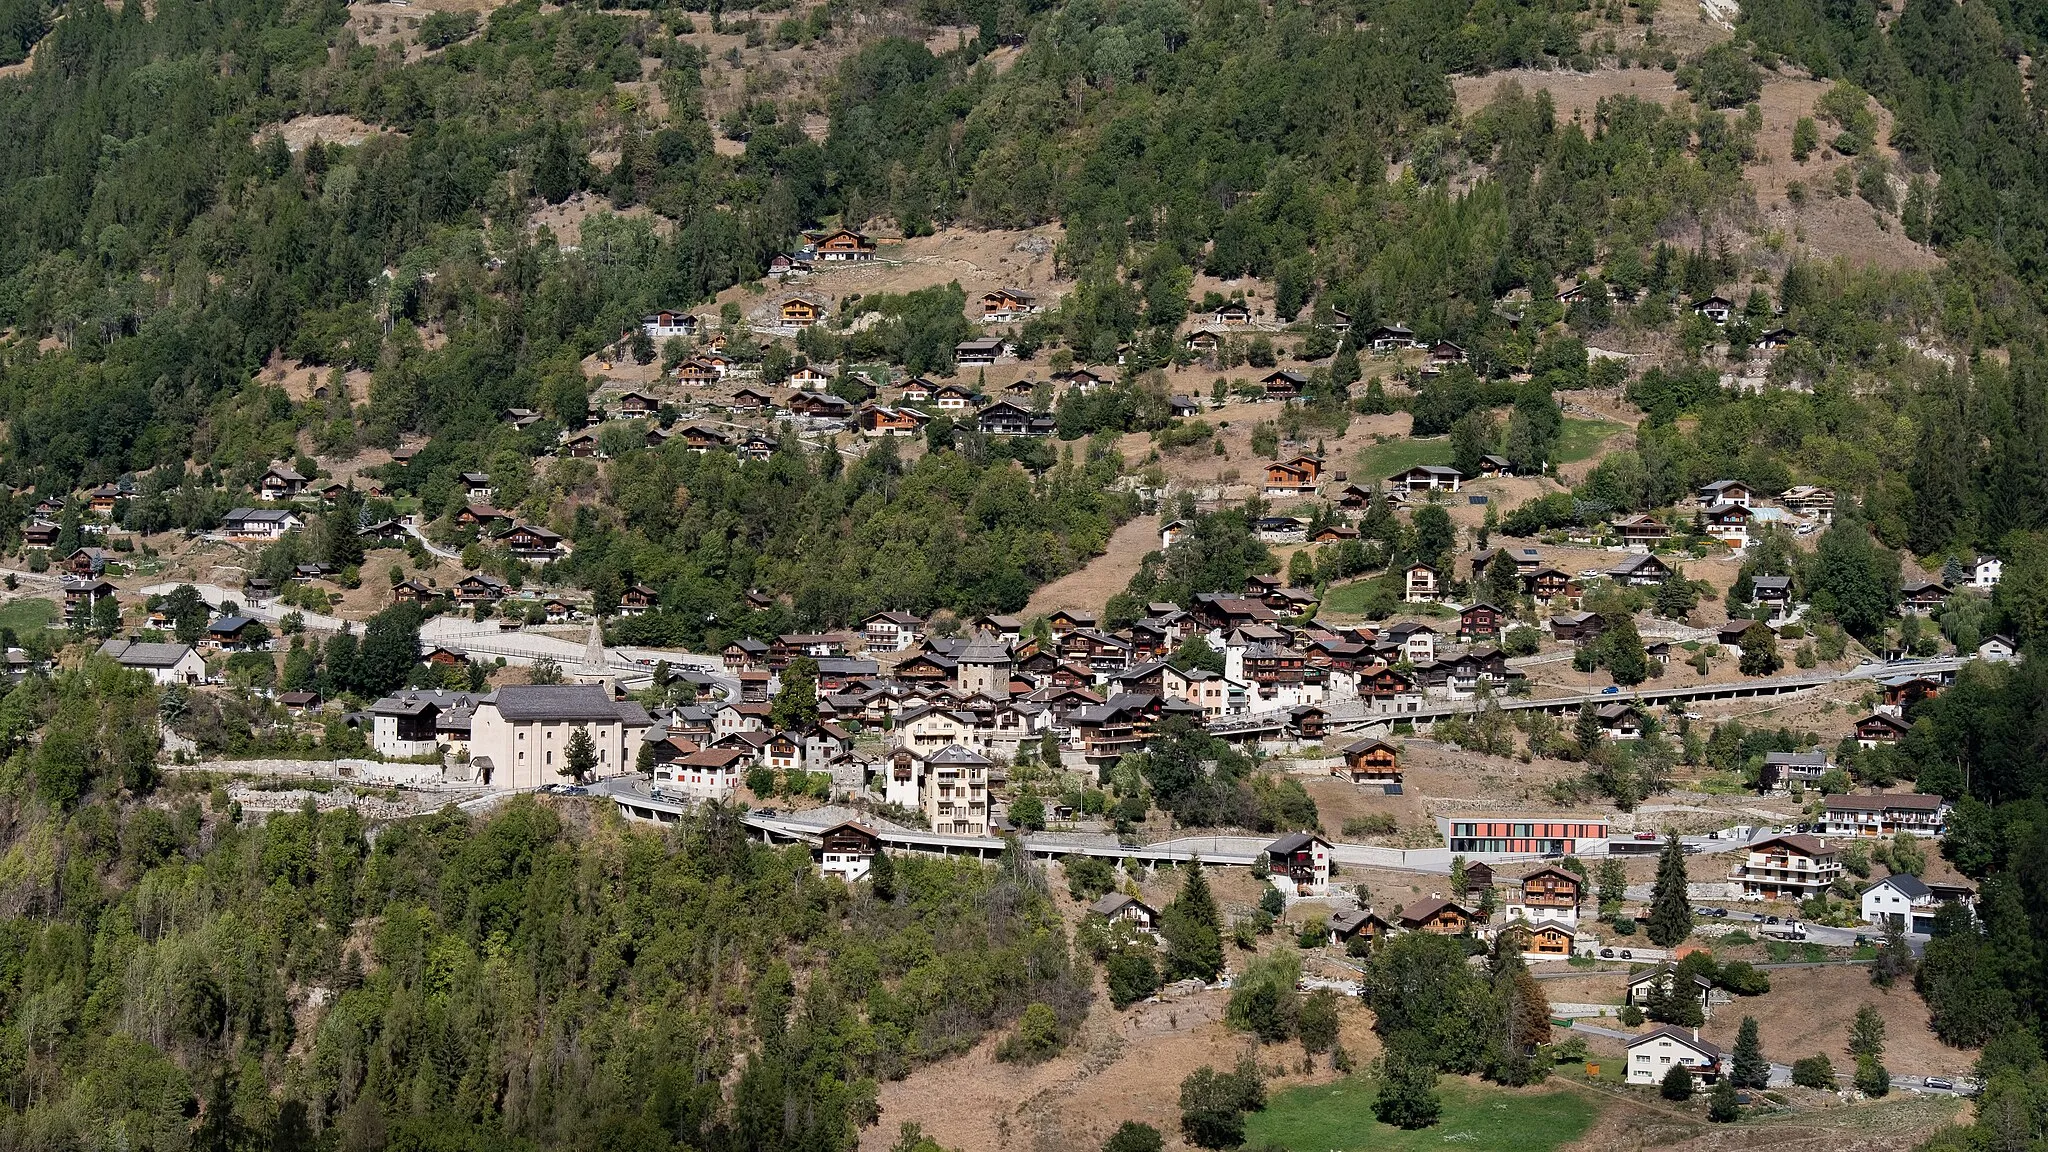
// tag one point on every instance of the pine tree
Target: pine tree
(882, 876)
(1670, 909)
(1760, 650)
(1195, 898)
(1193, 928)
(1586, 731)
(1722, 1106)
(1626, 660)
(1866, 1035)
(1612, 880)
(1503, 579)
(1751, 1069)
(581, 762)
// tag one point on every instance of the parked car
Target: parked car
(1940, 1083)
(1627, 955)
(1646, 835)
(1770, 919)
(1607, 953)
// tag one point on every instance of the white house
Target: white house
(1886, 814)
(259, 523)
(519, 737)
(166, 663)
(1651, 1055)
(708, 773)
(1986, 572)
(1805, 767)
(1903, 900)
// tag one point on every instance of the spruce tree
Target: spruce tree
(1750, 1069)
(1722, 1107)
(882, 876)
(1670, 909)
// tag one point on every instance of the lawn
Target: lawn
(1582, 437)
(1338, 1117)
(27, 614)
(1376, 462)
(1348, 599)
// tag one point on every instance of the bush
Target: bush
(1358, 947)
(1371, 824)
(1133, 975)
(1677, 1083)
(1743, 978)
(1134, 1137)
(1631, 1017)
(1312, 935)
(1871, 1078)
(1036, 1039)
(1089, 877)
(1523, 642)
(1624, 925)
(1213, 1104)
(1407, 1097)
(1816, 1071)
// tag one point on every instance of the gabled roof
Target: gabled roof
(554, 702)
(1416, 913)
(1361, 747)
(1878, 802)
(1705, 1048)
(1116, 902)
(1294, 842)
(1800, 843)
(1911, 887)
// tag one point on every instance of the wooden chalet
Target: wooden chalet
(1370, 762)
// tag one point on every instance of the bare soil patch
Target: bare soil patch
(1104, 576)
(565, 220)
(979, 260)
(1809, 1010)
(331, 128)
(1574, 93)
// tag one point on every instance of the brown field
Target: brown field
(1808, 1010)
(979, 260)
(1105, 575)
(565, 220)
(328, 129)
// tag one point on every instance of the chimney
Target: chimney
(1695, 1035)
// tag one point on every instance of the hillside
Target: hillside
(369, 363)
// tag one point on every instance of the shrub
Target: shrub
(1132, 975)
(1624, 925)
(1631, 1017)
(1677, 1083)
(1523, 642)
(1089, 877)
(1213, 1104)
(1815, 1071)
(1407, 1097)
(1036, 1039)
(1743, 978)
(1134, 1137)
(1871, 1078)
(1371, 824)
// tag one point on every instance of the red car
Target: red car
(1646, 835)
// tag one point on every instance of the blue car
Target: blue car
(1610, 690)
